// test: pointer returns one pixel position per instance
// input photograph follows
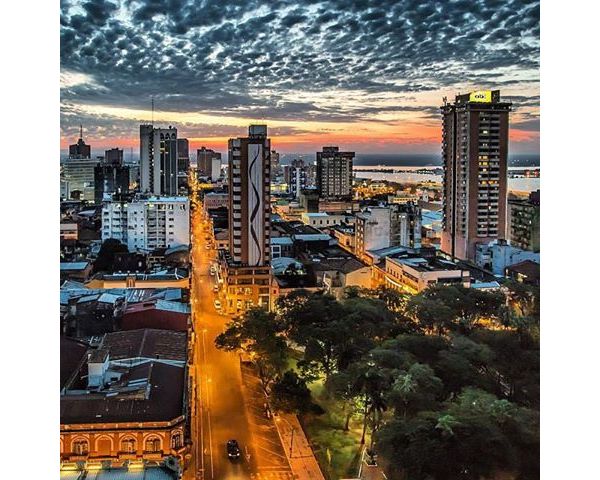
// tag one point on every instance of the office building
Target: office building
(474, 151)
(524, 222)
(145, 223)
(158, 160)
(249, 220)
(80, 150)
(208, 163)
(334, 173)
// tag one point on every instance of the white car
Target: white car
(212, 270)
(217, 305)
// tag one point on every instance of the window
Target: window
(152, 444)
(128, 445)
(81, 447)
(176, 441)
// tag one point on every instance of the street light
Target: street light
(292, 436)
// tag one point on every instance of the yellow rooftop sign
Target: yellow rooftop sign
(482, 96)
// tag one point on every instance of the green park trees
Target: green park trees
(443, 385)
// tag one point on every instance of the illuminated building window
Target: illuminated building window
(176, 441)
(81, 447)
(152, 444)
(128, 445)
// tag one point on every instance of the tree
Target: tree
(259, 334)
(431, 314)
(290, 394)
(415, 389)
(106, 256)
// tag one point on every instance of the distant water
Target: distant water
(408, 160)
(410, 176)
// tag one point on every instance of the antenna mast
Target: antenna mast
(81, 131)
(152, 110)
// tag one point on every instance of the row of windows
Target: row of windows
(152, 444)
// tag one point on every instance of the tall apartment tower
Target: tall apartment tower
(334, 173)
(158, 160)
(475, 152)
(249, 197)
(247, 271)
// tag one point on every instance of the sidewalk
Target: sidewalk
(302, 460)
(370, 472)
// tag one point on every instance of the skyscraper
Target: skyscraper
(247, 270)
(249, 197)
(114, 156)
(474, 151)
(334, 173)
(80, 150)
(158, 160)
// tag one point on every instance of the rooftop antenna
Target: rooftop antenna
(152, 110)
(81, 131)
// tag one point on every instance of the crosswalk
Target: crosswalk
(268, 474)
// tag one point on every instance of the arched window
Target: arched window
(81, 447)
(176, 442)
(128, 445)
(152, 444)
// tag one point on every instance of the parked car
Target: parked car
(217, 304)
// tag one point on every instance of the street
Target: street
(220, 412)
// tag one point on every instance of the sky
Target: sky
(367, 75)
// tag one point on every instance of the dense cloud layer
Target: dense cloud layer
(325, 61)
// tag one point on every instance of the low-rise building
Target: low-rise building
(526, 271)
(326, 219)
(69, 231)
(413, 273)
(170, 278)
(126, 401)
(499, 254)
(78, 271)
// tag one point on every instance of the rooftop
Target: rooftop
(150, 392)
(73, 265)
(146, 343)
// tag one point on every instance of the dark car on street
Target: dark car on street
(233, 449)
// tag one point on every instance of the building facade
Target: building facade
(249, 220)
(147, 222)
(334, 173)
(208, 163)
(183, 163)
(372, 230)
(405, 225)
(524, 222)
(475, 152)
(80, 175)
(158, 160)
(111, 176)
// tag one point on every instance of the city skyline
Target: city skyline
(314, 73)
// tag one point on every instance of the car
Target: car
(207, 246)
(233, 449)
(216, 289)
(213, 270)
(217, 304)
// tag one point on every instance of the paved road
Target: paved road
(221, 412)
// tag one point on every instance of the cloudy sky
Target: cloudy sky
(367, 75)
